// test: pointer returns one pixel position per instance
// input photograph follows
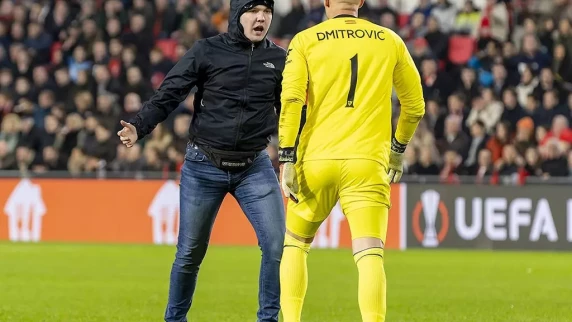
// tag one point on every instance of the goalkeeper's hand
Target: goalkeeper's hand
(395, 168)
(289, 180)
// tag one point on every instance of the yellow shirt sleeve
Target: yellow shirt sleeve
(293, 97)
(407, 84)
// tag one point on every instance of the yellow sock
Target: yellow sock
(372, 285)
(293, 278)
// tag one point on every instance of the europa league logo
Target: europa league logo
(430, 200)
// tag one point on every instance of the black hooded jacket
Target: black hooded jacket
(238, 90)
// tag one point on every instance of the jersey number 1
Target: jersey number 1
(353, 82)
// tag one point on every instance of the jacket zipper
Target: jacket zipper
(245, 98)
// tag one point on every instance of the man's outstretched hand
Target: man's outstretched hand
(128, 134)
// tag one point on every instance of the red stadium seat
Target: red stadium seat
(168, 47)
(461, 49)
(403, 20)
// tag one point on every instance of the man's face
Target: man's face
(256, 22)
(484, 158)
(477, 130)
(452, 127)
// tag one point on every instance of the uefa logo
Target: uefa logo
(432, 208)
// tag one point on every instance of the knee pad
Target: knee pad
(290, 241)
(373, 251)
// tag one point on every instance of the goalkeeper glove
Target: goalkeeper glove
(289, 180)
(395, 169)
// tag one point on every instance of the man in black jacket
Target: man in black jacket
(238, 76)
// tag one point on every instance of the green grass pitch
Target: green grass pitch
(69, 283)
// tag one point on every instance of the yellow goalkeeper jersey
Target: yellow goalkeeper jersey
(345, 69)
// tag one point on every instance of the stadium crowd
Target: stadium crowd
(496, 78)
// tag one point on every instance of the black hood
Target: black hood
(236, 10)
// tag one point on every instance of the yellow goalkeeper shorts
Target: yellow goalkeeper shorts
(361, 186)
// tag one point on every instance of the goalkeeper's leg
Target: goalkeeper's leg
(317, 197)
(368, 256)
(293, 276)
(364, 197)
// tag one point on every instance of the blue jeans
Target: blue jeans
(203, 188)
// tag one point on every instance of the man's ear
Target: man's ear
(327, 3)
(361, 3)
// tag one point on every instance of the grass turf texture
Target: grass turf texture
(69, 283)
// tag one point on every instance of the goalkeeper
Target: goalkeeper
(346, 68)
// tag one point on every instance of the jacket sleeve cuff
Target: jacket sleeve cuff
(140, 133)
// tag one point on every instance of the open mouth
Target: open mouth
(259, 29)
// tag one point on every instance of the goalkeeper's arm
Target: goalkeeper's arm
(407, 83)
(294, 89)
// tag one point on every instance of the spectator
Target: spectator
(533, 110)
(454, 138)
(51, 161)
(479, 140)
(445, 13)
(10, 133)
(136, 83)
(531, 54)
(409, 159)
(497, 142)
(433, 111)
(190, 34)
(456, 106)
(513, 112)
(547, 83)
(289, 24)
(487, 114)
(526, 86)
(435, 84)
(524, 138)
(415, 30)
(452, 161)
(500, 79)
(39, 41)
(7, 159)
(127, 161)
(468, 19)
(532, 162)
(484, 166)
(107, 110)
(151, 162)
(560, 131)
(437, 39)
(469, 86)
(426, 165)
(420, 51)
(554, 164)
(181, 130)
(510, 162)
(546, 34)
(161, 139)
(550, 108)
(561, 64)
(496, 17)
(424, 7)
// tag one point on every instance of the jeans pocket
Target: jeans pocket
(193, 154)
